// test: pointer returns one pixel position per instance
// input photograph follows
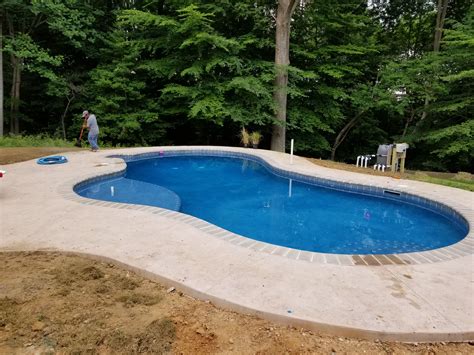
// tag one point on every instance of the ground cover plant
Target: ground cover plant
(40, 140)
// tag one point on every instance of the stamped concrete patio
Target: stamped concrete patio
(427, 296)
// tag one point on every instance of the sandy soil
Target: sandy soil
(55, 303)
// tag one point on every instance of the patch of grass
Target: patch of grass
(101, 288)
(158, 337)
(73, 273)
(132, 299)
(8, 311)
(40, 140)
(124, 283)
(91, 273)
(464, 176)
(118, 340)
(461, 180)
(454, 182)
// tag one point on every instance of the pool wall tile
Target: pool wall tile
(270, 248)
(345, 260)
(293, 254)
(331, 258)
(280, 251)
(247, 242)
(304, 255)
(319, 258)
(237, 240)
(395, 259)
(257, 246)
(228, 237)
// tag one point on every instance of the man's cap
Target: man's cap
(85, 113)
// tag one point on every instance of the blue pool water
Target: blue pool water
(244, 197)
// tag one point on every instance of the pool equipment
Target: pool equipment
(388, 156)
(400, 152)
(291, 151)
(56, 159)
(364, 160)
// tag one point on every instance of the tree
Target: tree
(24, 19)
(282, 60)
(21, 19)
(450, 137)
(1, 75)
(178, 63)
(335, 51)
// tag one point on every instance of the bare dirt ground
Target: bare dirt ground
(63, 304)
(14, 155)
(55, 303)
(370, 171)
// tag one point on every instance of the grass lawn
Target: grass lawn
(460, 180)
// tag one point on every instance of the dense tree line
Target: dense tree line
(156, 72)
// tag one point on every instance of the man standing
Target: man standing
(93, 128)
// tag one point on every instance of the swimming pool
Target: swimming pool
(248, 197)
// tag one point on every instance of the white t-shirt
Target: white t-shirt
(92, 124)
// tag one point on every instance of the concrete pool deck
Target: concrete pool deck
(418, 297)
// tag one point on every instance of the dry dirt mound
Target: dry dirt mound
(53, 303)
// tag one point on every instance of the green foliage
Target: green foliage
(333, 44)
(34, 58)
(196, 72)
(255, 138)
(448, 132)
(40, 140)
(187, 69)
(70, 18)
(408, 25)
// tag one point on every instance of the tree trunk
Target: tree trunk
(407, 123)
(63, 116)
(440, 16)
(1, 77)
(15, 96)
(282, 60)
(343, 134)
(12, 95)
